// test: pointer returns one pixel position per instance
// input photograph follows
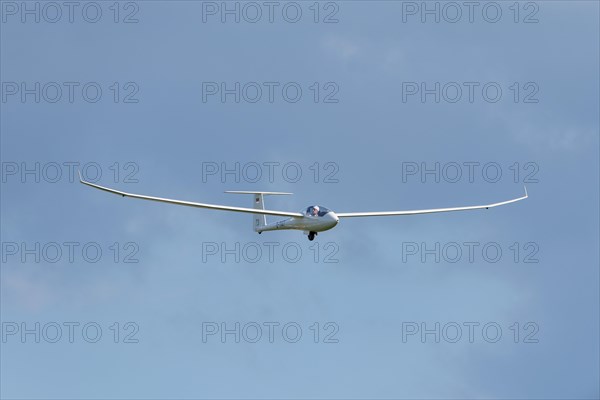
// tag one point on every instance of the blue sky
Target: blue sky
(375, 290)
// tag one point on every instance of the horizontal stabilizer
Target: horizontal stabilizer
(251, 192)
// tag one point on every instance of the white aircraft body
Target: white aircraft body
(312, 220)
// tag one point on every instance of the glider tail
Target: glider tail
(259, 221)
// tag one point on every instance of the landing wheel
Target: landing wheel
(311, 236)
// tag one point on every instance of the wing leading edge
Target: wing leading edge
(429, 211)
(193, 204)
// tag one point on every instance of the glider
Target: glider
(312, 220)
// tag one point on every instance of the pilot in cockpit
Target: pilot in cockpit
(315, 211)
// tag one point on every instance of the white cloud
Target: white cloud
(341, 47)
(555, 138)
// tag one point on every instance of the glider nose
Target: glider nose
(332, 218)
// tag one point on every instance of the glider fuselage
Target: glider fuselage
(323, 221)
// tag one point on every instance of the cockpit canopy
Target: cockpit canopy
(316, 210)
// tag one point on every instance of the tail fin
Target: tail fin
(258, 220)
